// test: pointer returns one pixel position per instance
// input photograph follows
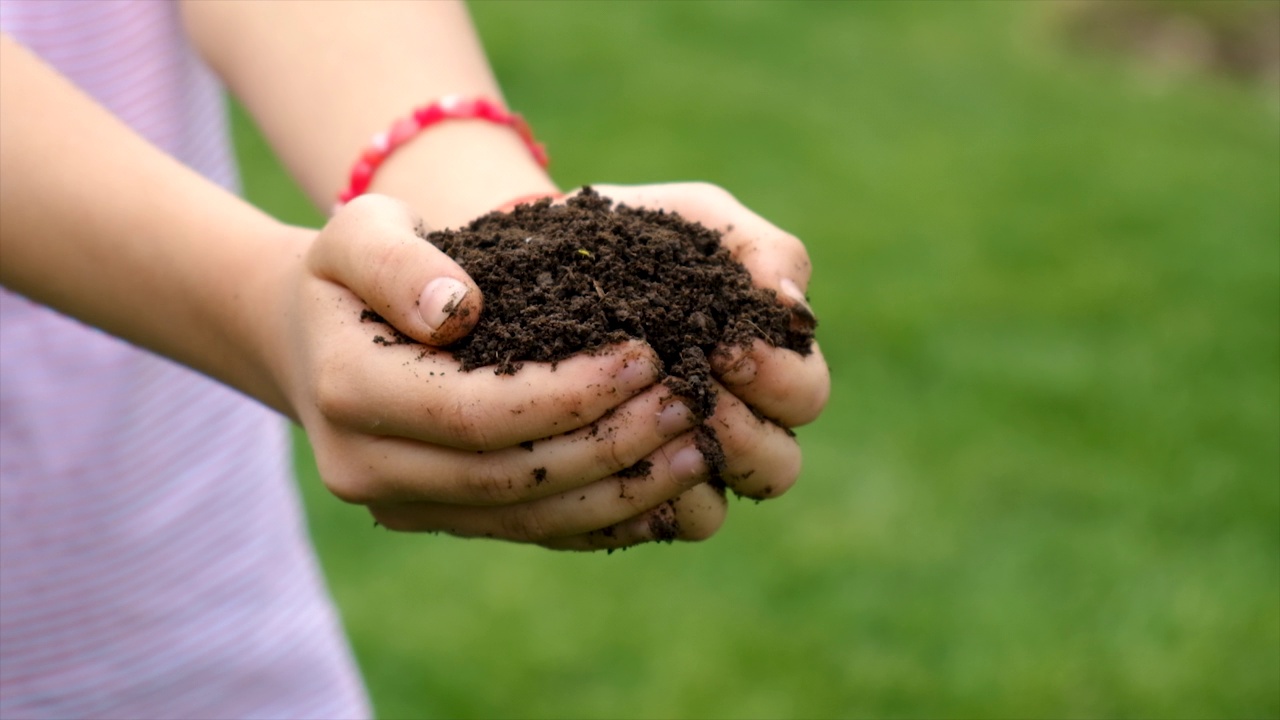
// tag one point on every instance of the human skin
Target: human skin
(269, 309)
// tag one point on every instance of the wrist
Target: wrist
(270, 314)
(457, 171)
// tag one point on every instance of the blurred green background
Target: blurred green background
(1048, 272)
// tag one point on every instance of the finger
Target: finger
(761, 460)
(410, 471)
(786, 387)
(372, 247)
(674, 468)
(420, 393)
(776, 259)
(699, 512)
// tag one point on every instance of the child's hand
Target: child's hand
(787, 388)
(528, 457)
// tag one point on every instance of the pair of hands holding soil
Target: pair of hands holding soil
(592, 451)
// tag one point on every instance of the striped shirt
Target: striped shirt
(154, 561)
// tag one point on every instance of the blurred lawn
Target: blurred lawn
(1048, 483)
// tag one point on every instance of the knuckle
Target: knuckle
(467, 425)
(572, 405)
(611, 446)
(350, 485)
(490, 482)
(642, 500)
(334, 394)
(609, 455)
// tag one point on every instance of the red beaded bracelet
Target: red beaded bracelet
(450, 107)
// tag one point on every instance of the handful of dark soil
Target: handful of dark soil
(564, 279)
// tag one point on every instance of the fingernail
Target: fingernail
(793, 291)
(674, 418)
(439, 299)
(637, 372)
(687, 464)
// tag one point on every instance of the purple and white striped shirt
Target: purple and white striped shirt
(154, 562)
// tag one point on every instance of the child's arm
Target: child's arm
(102, 226)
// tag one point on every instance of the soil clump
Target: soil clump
(564, 279)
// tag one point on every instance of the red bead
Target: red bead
(492, 113)
(539, 154)
(460, 108)
(520, 126)
(361, 174)
(404, 129)
(429, 115)
(373, 156)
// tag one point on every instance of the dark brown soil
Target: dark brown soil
(663, 525)
(640, 469)
(565, 279)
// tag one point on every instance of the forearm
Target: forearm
(102, 226)
(321, 78)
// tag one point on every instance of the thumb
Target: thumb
(372, 247)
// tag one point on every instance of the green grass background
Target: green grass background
(1048, 481)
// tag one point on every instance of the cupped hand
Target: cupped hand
(540, 456)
